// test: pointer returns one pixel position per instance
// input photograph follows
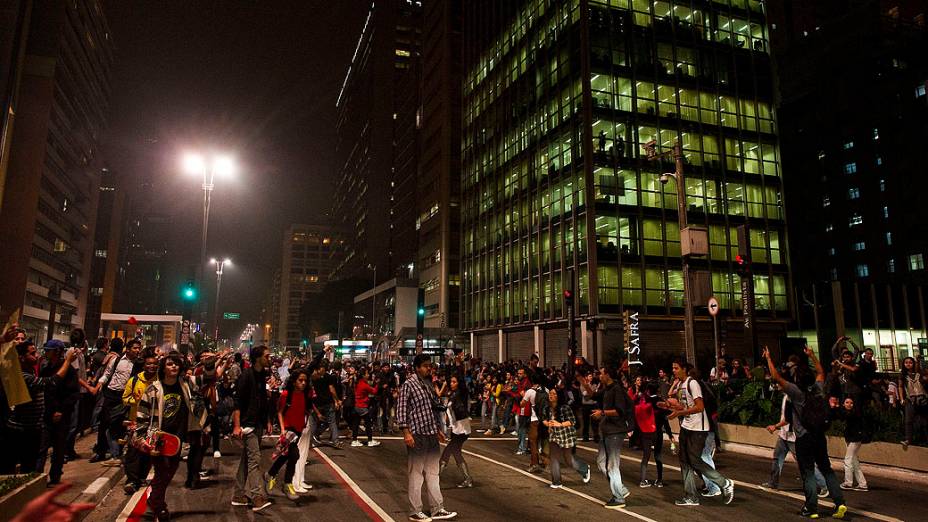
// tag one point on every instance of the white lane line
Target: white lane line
(96, 486)
(131, 504)
(354, 487)
(876, 516)
(569, 490)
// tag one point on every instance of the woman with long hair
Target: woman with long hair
(460, 424)
(294, 404)
(652, 421)
(562, 437)
(913, 381)
(363, 392)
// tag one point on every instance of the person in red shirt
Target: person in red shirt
(362, 396)
(294, 404)
(652, 421)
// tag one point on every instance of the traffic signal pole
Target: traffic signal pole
(743, 264)
(571, 319)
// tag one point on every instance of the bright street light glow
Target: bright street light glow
(224, 165)
(227, 261)
(194, 163)
(212, 261)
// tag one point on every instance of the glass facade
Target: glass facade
(559, 99)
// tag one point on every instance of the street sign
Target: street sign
(185, 332)
(713, 306)
(231, 315)
(419, 343)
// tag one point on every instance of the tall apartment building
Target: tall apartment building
(147, 249)
(438, 189)
(854, 167)
(51, 187)
(374, 201)
(307, 263)
(559, 100)
(108, 268)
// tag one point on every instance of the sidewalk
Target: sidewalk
(90, 482)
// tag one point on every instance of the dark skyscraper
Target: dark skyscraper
(373, 205)
(108, 268)
(52, 180)
(559, 100)
(852, 78)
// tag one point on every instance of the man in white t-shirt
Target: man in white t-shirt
(694, 428)
(528, 400)
(786, 443)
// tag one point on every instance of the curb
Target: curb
(99, 488)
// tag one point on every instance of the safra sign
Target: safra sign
(632, 338)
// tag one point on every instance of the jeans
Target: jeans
(111, 429)
(780, 451)
(707, 452)
(55, 438)
(588, 422)
(331, 420)
(137, 465)
(453, 449)
(649, 441)
(523, 423)
(852, 466)
(195, 456)
(911, 415)
(608, 460)
(692, 445)
(359, 415)
(165, 468)
(494, 409)
(556, 451)
(812, 451)
(507, 415)
(422, 466)
(533, 441)
(248, 480)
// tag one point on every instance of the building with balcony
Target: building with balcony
(305, 269)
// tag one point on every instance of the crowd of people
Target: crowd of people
(128, 391)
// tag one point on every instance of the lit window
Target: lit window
(826, 201)
(916, 262)
(829, 227)
(831, 251)
(99, 253)
(885, 212)
(863, 270)
(891, 266)
(848, 145)
(882, 185)
(856, 219)
(60, 246)
(876, 133)
(859, 246)
(920, 91)
(821, 155)
(889, 238)
(402, 52)
(879, 161)
(834, 274)
(853, 193)
(850, 168)
(97, 291)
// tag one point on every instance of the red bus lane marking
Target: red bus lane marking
(373, 511)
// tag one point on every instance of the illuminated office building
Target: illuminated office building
(559, 99)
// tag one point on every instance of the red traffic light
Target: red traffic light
(568, 294)
(740, 260)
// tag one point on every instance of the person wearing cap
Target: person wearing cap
(59, 408)
(25, 424)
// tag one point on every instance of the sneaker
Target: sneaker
(822, 492)
(513, 433)
(861, 488)
(644, 484)
(627, 493)
(905, 445)
(130, 488)
(535, 469)
(502, 431)
(356, 444)
(555, 486)
(420, 517)
(769, 485)
(839, 511)
(270, 482)
(686, 501)
(587, 475)
(520, 452)
(306, 486)
(443, 514)
(240, 501)
(373, 444)
(260, 503)
(808, 513)
(728, 490)
(466, 483)
(216, 454)
(847, 486)
(615, 503)
(290, 491)
(112, 462)
(659, 484)
(708, 493)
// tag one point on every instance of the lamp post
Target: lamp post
(197, 164)
(219, 267)
(677, 176)
(373, 297)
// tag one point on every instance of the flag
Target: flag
(11, 375)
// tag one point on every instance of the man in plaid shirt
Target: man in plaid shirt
(418, 414)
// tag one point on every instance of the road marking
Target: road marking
(876, 516)
(135, 507)
(364, 501)
(569, 490)
(96, 486)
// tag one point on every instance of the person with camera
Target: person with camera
(418, 415)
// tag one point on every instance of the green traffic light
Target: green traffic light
(190, 293)
(422, 311)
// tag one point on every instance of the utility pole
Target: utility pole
(743, 265)
(571, 318)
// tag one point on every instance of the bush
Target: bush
(744, 402)
(10, 482)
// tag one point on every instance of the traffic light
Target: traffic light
(189, 292)
(568, 297)
(742, 265)
(420, 312)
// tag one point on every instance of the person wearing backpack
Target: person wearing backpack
(136, 463)
(616, 420)
(809, 423)
(711, 404)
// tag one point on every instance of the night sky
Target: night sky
(258, 79)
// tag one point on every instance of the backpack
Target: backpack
(540, 403)
(814, 416)
(709, 401)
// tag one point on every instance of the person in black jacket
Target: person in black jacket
(616, 419)
(458, 400)
(59, 408)
(856, 434)
(249, 419)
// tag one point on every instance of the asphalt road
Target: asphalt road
(370, 484)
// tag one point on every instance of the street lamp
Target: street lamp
(219, 266)
(197, 164)
(373, 297)
(677, 176)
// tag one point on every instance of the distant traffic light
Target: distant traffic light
(420, 311)
(568, 297)
(189, 292)
(742, 265)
